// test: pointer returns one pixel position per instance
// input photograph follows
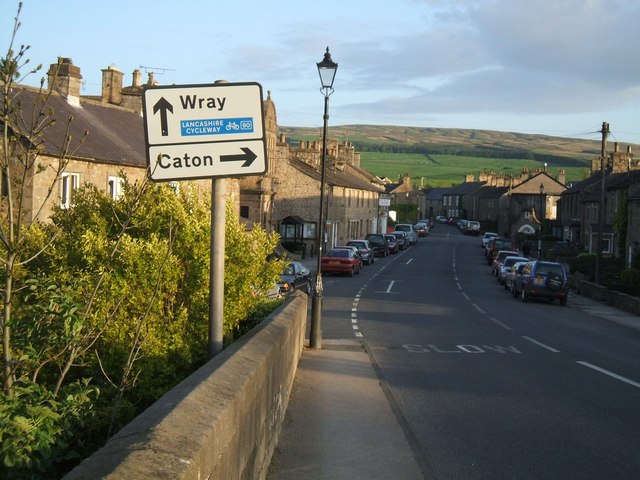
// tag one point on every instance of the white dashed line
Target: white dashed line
(551, 349)
(611, 374)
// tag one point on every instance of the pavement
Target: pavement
(343, 422)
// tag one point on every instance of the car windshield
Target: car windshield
(288, 270)
(403, 228)
(338, 253)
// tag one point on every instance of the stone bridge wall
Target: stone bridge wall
(222, 422)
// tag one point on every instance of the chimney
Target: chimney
(112, 85)
(64, 78)
(616, 147)
(137, 78)
(562, 177)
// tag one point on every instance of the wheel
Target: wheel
(514, 292)
(563, 301)
(554, 281)
(372, 260)
(352, 271)
(523, 296)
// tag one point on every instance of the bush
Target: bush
(630, 281)
(41, 433)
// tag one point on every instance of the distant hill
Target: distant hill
(431, 153)
(451, 141)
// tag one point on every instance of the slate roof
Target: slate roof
(334, 178)
(435, 194)
(115, 135)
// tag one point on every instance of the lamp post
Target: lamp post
(542, 215)
(327, 70)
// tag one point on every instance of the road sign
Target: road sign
(204, 131)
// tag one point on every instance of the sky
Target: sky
(558, 68)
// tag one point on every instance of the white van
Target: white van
(410, 230)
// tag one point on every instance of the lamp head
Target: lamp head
(327, 69)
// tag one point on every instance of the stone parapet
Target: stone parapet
(222, 422)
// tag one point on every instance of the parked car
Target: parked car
(442, 219)
(512, 272)
(498, 243)
(295, 277)
(367, 254)
(410, 230)
(392, 241)
(486, 237)
(541, 279)
(472, 227)
(499, 259)
(401, 238)
(341, 260)
(422, 229)
(506, 264)
(379, 244)
(353, 248)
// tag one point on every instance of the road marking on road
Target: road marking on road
(540, 344)
(611, 374)
(495, 320)
(390, 286)
(409, 261)
(478, 308)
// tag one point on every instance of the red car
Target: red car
(339, 260)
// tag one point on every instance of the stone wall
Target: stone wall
(620, 300)
(223, 422)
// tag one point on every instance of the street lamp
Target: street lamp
(542, 215)
(327, 70)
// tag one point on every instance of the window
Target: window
(114, 187)
(69, 183)
(244, 211)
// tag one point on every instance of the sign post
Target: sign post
(206, 131)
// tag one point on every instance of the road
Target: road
(488, 387)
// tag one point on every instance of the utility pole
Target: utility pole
(601, 205)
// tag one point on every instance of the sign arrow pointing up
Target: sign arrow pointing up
(163, 105)
(248, 157)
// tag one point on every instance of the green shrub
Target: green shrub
(41, 433)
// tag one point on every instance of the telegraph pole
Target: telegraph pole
(601, 205)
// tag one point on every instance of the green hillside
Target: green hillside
(443, 157)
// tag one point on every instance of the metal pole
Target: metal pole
(600, 242)
(315, 337)
(216, 266)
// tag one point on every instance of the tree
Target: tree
(21, 138)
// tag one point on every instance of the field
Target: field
(432, 170)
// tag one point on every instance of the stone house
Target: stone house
(461, 201)
(287, 198)
(531, 202)
(580, 205)
(432, 198)
(113, 147)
